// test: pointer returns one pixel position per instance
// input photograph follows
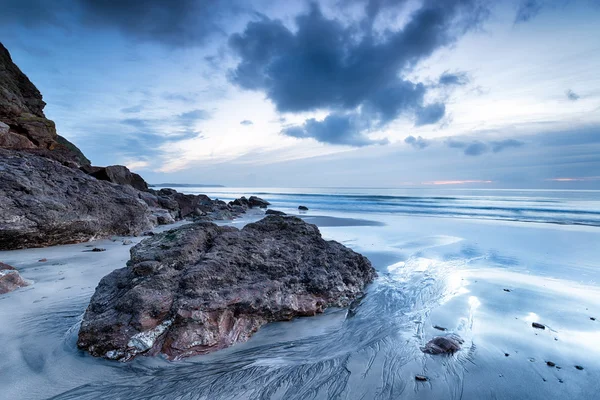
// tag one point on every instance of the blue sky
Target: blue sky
(379, 93)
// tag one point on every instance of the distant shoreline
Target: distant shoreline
(174, 185)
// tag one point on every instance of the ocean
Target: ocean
(481, 264)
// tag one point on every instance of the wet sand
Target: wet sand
(445, 272)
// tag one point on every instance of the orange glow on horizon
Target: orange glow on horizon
(582, 179)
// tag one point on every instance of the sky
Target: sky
(328, 93)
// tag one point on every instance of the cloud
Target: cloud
(477, 147)
(132, 109)
(178, 23)
(327, 65)
(146, 135)
(498, 146)
(430, 114)
(246, 122)
(528, 9)
(416, 142)
(571, 95)
(334, 129)
(453, 79)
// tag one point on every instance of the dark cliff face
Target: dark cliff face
(23, 125)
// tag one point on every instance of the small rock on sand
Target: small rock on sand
(439, 328)
(592, 318)
(507, 290)
(579, 367)
(421, 378)
(550, 364)
(538, 326)
(443, 345)
(302, 208)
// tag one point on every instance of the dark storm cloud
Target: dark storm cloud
(326, 65)
(246, 122)
(176, 23)
(416, 142)
(571, 95)
(477, 147)
(454, 79)
(334, 129)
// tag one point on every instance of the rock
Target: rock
(118, 174)
(538, 326)
(42, 260)
(254, 201)
(97, 249)
(7, 267)
(274, 212)
(448, 344)
(10, 279)
(203, 287)
(507, 290)
(550, 364)
(579, 367)
(302, 208)
(421, 378)
(43, 203)
(439, 328)
(163, 217)
(506, 354)
(148, 233)
(592, 318)
(22, 111)
(127, 242)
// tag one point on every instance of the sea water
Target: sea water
(481, 264)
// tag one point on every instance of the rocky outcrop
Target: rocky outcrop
(118, 174)
(43, 203)
(203, 287)
(23, 124)
(252, 202)
(10, 279)
(189, 206)
(274, 212)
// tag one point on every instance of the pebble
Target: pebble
(439, 328)
(579, 367)
(506, 354)
(550, 364)
(421, 378)
(98, 249)
(538, 326)
(507, 290)
(592, 318)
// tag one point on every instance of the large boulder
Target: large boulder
(22, 111)
(10, 279)
(203, 287)
(43, 203)
(119, 174)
